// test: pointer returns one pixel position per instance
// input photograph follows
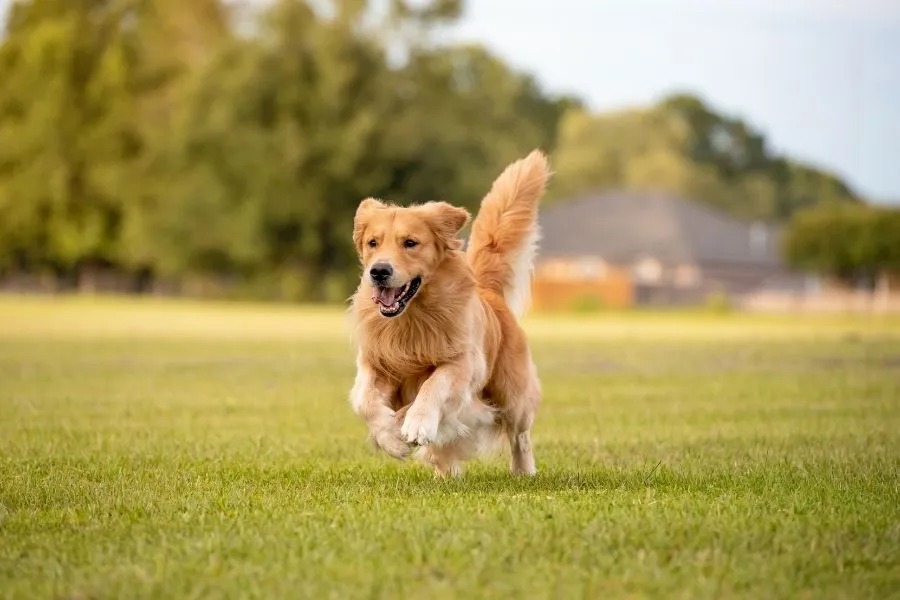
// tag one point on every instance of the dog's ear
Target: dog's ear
(364, 209)
(446, 221)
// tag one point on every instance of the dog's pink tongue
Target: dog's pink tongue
(385, 296)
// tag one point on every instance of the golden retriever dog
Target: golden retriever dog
(442, 362)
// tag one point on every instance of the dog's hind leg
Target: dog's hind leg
(520, 404)
(522, 459)
(443, 460)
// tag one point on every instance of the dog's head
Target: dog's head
(401, 248)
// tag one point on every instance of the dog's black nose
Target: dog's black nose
(381, 272)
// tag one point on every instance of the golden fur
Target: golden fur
(453, 370)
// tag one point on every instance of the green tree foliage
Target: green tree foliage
(848, 242)
(282, 134)
(82, 94)
(682, 146)
(461, 114)
(275, 145)
(68, 139)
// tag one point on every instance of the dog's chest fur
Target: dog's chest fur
(409, 346)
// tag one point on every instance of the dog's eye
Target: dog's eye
(410, 243)
(372, 243)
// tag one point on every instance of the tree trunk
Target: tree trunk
(87, 278)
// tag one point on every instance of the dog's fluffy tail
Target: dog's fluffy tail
(505, 232)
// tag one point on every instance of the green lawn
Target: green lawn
(180, 449)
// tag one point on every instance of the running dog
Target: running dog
(442, 362)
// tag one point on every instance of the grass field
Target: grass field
(180, 449)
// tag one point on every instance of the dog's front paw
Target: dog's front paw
(393, 444)
(420, 426)
(385, 434)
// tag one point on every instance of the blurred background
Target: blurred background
(718, 153)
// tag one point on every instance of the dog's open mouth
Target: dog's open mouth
(392, 301)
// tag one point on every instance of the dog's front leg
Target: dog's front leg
(371, 399)
(445, 391)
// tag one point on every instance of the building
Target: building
(623, 249)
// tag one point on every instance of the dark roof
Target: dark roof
(621, 227)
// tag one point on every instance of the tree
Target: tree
(284, 132)
(459, 115)
(682, 146)
(852, 243)
(68, 138)
(277, 141)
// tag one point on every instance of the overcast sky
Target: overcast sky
(821, 78)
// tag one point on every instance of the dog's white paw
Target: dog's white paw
(421, 426)
(385, 434)
(392, 443)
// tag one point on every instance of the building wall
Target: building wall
(565, 284)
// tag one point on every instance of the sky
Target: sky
(820, 78)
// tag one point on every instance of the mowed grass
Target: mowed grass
(181, 449)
